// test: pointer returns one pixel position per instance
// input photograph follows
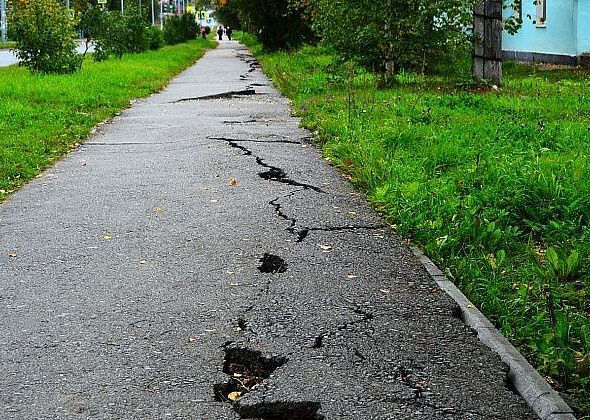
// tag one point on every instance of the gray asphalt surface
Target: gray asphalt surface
(130, 277)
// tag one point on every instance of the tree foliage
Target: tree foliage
(180, 28)
(277, 23)
(116, 33)
(43, 30)
(393, 34)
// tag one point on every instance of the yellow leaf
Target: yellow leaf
(191, 340)
(107, 237)
(12, 254)
(234, 395)
(233, 182)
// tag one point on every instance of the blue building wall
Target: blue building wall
(565, 32)
(583, 27)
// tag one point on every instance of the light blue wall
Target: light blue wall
(583, 27)
(559, 34)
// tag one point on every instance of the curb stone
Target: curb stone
(538, 394)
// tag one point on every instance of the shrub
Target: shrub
(42, 30)
(154, 38)
(115, 33)
(179, 28)
(394, 35)
(111, 36)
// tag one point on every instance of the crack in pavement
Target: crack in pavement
(283, 179)
(225, 95)
(252, 141)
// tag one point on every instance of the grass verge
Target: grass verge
(493, 185)
(44, 116)
(7, 45)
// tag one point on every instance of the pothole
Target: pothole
(318, 342)
(273, 174)
(272, 264)
(281, 410)
(247, 369)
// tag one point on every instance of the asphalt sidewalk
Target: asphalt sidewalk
(200, 232)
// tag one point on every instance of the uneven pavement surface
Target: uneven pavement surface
(198, 247)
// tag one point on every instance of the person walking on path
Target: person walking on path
(228, 32)
(220, 32)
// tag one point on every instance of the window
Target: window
(541, 13)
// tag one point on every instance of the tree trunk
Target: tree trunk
(487, 42)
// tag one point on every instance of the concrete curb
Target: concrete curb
(542, 399)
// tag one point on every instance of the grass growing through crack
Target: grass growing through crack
(44, 116)
(494, 185)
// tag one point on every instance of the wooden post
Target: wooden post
(487, 42)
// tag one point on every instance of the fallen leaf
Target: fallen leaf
(158, 210)
(210, 330)
(233, 182)
(12, 254)
(234, 395)
(191, 340)
(326, 248)
(351, 276)
(213, 201)
(234, 284)
(236, 329)
(107, 237)
(143, 262)
(470, 306)
(384, 291)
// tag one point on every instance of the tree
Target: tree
(43, 31)
(393, 34)
(277, 23)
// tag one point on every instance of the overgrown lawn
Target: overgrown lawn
(493, 185)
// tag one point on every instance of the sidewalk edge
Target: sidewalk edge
(530, 385)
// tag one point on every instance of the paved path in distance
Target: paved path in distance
(197, 247)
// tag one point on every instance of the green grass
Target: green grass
(7, 45)
(44, 116)
(493, 185)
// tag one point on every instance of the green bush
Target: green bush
(116, 34)
(154, 38)
(111, 36)
(42, 30)
(179, 29)
(395, 35)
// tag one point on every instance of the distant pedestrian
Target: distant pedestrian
(220, 32)
(203, 32)
(228, 32)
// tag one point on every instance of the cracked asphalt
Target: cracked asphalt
(131, 269)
